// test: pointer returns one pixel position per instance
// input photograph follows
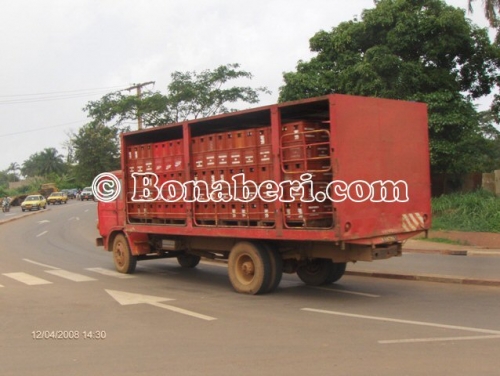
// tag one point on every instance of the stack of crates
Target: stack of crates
(166, 160)
(305, 149)
(170, 166)
(140, 160)
(220, 157)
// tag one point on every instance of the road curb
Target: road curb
(428, 278)
(3, 221)
(453, 252)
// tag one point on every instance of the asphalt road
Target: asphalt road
(63, 311)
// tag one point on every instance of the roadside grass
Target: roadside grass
(476, 211)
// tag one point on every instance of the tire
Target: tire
(44, 206)
(276, 267)
(123, 259)
(249, 268)
(188, 261)
(316, 272)
(337, 272)
(22, 209)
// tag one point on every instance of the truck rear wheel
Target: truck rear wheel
(124, 261)
(249, 268)
(188, 261)
(316, 272)
(337, 272)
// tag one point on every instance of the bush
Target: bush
(476, 211)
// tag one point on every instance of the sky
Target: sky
(57, 55)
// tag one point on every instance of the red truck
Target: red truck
(300, 187)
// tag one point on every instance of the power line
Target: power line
(52, 96)
(60, 92)
(39, 129)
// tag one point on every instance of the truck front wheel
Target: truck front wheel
(316, 272)
(249, 268)
(276, 267)
(124, 261)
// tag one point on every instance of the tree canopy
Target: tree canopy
(96, 150)
(423, 50)
(44, 163)
(189, 95)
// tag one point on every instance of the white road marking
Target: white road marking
(1, 286)
(127, 298)
(110, 273)
(410, 322)
(70, 275)
(41, 234)
(184, 311)
(420, 340)
(44, 221)
(40, 264)
(27, 279)
(347, 292)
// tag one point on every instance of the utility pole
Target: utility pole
(138, 87)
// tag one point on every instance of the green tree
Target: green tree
(490, 149)
(44, 163)
(11, 174)
(421, 50)
(95, 151)
(189, 95)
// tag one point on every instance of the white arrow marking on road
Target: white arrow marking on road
(44, 221)
(127, 298)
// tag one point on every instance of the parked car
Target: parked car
(34, 202)
(72, 193)
(87, 194)
(57, 198)
(69, 192)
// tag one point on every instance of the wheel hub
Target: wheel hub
(248, 268)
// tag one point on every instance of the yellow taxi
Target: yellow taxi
(34, 202)
(57, 198)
